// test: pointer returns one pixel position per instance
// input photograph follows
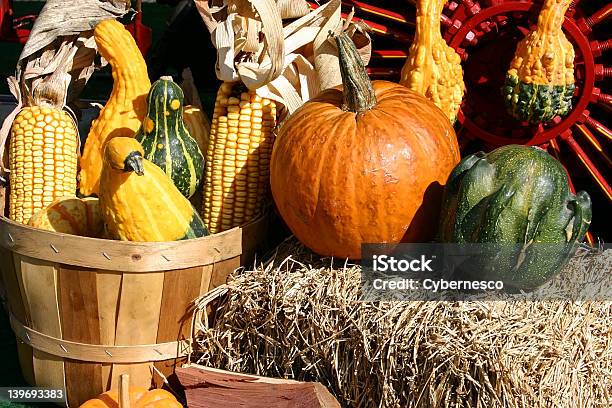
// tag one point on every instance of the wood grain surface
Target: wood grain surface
(207, 388)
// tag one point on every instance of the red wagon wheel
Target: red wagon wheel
(485, 34)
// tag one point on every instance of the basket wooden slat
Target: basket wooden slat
(79, 304)
(176, 311)
(108, 285)
(9, 281)
(39, 289)
(86, 298)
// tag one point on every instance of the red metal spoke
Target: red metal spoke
(378, 11)
(556, 151)
(389, 54)
(594, 142)
(598, 126)
(599, 47)
(377, 28)
(586, 25)
(602, 72)
(588, 164)
(602, 98)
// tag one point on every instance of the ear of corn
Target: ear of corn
(238, 157)
(43, 160)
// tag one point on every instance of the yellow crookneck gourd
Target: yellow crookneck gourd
(540, 82)
(139, 202)
(433, 69)
(127, 106)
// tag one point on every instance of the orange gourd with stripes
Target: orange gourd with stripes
(71, 215)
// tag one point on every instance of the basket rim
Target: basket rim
(124, 256)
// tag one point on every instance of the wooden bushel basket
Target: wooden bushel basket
(87, 310)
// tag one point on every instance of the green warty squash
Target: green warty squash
(517, 201)
(166, 140)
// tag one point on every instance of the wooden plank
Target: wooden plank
(138, 321)
(39, 287)
(254, 239)
(108, 288)
(208, 387)
(181, 288)
(80, 323)
(16, 307)
(207, 271)
(222, 270)
(137, 257)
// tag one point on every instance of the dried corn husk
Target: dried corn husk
(290, 64)
(61, 39)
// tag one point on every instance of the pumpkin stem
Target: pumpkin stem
(358, 91)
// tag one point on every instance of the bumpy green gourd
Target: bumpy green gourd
(540, 82)
(517, 200)
(166, 140)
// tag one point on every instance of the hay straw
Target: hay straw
(298, 317)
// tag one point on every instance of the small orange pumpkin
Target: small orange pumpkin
(362, 163)
(139, 398)
(70, 215)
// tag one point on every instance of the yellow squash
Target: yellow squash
(139, 202)
(127, 106)
(433, 69)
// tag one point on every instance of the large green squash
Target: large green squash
(517, 201)
(166, 140)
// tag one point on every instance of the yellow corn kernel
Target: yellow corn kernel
(42, 160)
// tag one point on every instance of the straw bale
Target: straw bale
(298, 316)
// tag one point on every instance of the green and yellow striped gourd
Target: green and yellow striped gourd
(166, 140)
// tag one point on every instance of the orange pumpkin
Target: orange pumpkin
(70, 215)
(139, 398)
(362, 163)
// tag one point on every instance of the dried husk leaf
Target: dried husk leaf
(61, 18)
(292, 8)
(310, 61)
